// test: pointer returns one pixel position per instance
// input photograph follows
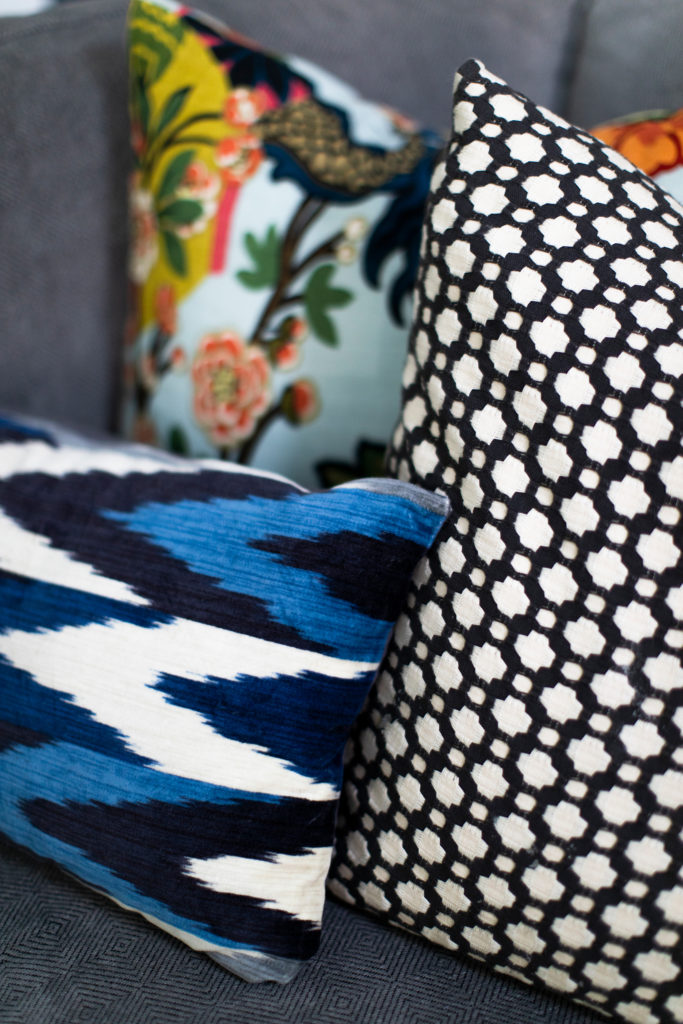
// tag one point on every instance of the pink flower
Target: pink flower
(244, 106)
(144, 247)
(239, 157)
(301, 402)
(231, 382)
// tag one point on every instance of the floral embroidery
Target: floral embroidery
(232, 387)
(244, 106)
(239, 157)
(209, 113)
(300, 402)
(144, 245)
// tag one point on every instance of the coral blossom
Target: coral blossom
(239, 157)
(300, 402)
(244, 106)
(231, 382)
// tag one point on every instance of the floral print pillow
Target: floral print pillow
(653, 141)
(275, 226)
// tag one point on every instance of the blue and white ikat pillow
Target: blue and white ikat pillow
(183, 648)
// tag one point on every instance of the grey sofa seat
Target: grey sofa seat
(69, 955)
(66, 954)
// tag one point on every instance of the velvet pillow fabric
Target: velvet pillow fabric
(183, 648)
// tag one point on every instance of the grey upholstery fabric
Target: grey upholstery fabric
(630, 60)
(63, 168)
(68, 955)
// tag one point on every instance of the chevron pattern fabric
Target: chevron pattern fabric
(183, 648)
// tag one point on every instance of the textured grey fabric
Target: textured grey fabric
(63, 168)
(68, 955)
(630, 60)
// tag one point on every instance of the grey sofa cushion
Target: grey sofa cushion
(63, 168)
(629, 60)
(67, 954)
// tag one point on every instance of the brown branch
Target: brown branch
(308, 210)
(326, 249)
(249, 445)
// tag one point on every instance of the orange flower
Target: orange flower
(231, 382)
(301, 402)
(287, 355)
(239, 157)
(653, 145)
(199, 182)
(244, 106)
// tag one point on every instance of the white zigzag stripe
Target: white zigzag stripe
(111, 669)
(293, 883)
(77, 455)
(39, 457)
(30, 554)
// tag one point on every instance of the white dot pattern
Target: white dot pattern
(527, 725)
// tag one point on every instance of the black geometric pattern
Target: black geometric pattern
(514, 787)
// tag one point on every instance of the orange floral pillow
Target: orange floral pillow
(653, 141)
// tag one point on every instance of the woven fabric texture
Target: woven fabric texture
(67, 954)
(514, 786)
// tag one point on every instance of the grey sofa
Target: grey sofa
(66, 954)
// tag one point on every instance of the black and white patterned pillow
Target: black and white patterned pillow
(514, 787)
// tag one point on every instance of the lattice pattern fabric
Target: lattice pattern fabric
(183, 647)
(514, 786)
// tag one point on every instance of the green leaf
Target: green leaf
(140, 42)
(177, 440)
(180, 212)
(265, 256)
(174, 104)
(175, 252)
(173, 175)
(319, 297)
(321, 324)
(140, 103)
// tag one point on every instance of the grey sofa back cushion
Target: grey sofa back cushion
(63, 168)
(629, 60)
